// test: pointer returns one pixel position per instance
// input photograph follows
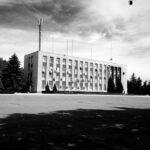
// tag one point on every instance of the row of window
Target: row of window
(80, 63)
(70, 68)
(75, 86)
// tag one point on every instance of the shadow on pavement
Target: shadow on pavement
(77, 130)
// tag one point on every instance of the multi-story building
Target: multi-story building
(70, 73)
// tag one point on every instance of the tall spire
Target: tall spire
(40, 32)
(72, 47)
(111, 53)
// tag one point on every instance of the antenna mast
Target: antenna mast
(40, 32)
(52, 44)
(91, 54)
(72, 47)
(67, 47)
(111, 57)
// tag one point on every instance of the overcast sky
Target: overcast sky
(111, 28)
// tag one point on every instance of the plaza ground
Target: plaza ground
(42, 103)
(74, 122)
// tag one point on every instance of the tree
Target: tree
(135, 86)
(12, 77)
(132, 84)
(3, 64)
(148, 88)
(54, 89)
(138, 87)
(111, 86)
(1, 86)
(119, 87)
(145, 88)
(47, 90)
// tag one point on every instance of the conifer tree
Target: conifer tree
(138, 87)
(111, 86)
(47, 90)
(144, 88)
(148, 88)
(135, 86)
(1, 86)
(132, 84)
(54, 89)
(12, 76)
(119, 87)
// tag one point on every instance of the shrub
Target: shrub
(47, 90)
(54, 89)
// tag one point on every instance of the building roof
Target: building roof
(80, 58)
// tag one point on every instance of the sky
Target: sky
(96, 29)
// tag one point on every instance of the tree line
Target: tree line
(137, 87)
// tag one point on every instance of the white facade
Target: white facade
(70, 73)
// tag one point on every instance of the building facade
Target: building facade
(70, 73)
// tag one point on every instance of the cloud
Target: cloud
(112, 19)
(24, 14)
(64, 16)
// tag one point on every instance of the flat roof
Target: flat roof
(79, 58)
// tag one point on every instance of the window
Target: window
(91, 86)
(81, 63)
(76, 63)
(44, 66)
(91, 65)
(105, 87)
(57, 78)
(63, 78)
(86, 86)
(50, 76)
(70, 79)
(43, 84)
(43, 74)
(63, 70)
(70, 62)
(28, 67)
(96, 86)
(51, 84)
(96, 65)
(57, 60)
(31, 59)
(86, 64)
(51, 59)
(104, 70)
(31, 66)
(44, 58)
(64, 61)
(100, 86)
(100, 66)
(57, 68)
(91, 72)
(100, 80)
